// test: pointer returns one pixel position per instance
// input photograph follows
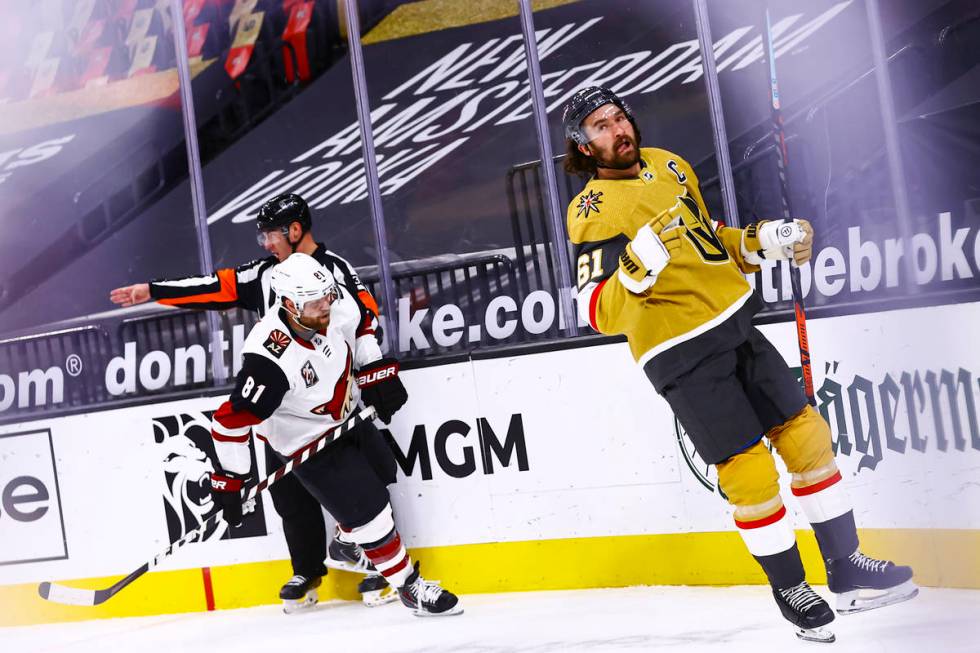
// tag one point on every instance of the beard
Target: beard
(618, 158)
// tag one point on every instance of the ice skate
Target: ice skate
(299, 593)
(348, 556)
(806, 610)
(426, 598)
(376, 591)
(862, 583)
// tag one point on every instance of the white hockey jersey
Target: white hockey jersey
(290, 390)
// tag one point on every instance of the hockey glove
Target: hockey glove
(381, 387)
(226, 490)
(777, 240)
(649, 252)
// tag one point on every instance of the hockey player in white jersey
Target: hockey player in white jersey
(297, 380)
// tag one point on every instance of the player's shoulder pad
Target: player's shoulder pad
(258, 265)
(270, 338)
(601, 211)
(664, 160)
(340, 267)
(262, 369)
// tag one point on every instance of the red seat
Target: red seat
(196, 37)
(89, 37)
(98, 65)
(192, 9)
(295, 34)
(243, 46)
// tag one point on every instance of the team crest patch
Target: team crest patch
(277, 342)
(309, 374)
(589, 202)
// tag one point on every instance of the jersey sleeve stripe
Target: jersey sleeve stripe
(232, 421)
(227, 292)
(229, 438)
(594, 303)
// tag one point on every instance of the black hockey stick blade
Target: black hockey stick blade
(75, 596)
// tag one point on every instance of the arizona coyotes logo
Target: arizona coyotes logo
(277, 342)
(588, 202)
(343, 393)
(309, 374)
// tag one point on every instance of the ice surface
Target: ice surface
(730, 619)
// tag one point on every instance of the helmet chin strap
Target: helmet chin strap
(304, 331)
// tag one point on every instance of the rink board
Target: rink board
(543, 471)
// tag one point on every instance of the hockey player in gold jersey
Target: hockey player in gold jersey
(652, 265)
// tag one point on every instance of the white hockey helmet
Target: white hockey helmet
(301, 279)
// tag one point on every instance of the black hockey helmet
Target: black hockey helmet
(282, 210)
(584, 102)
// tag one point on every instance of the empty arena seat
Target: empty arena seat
(90, 37)
(96, 67)
(196, 38)
(296, 34)
(143, 56)
(249, 27)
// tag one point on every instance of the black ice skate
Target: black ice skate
(863, 583)
(348, 556)
(298, 593)
(426, 598)
(376, 591)
(807, 611)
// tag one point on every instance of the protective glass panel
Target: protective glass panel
(92, 190)
(451, 120)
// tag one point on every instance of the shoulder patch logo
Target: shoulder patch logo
(647, 175)
(309, 374)
(588, 202)
(277, 342)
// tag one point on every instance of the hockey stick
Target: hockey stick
(794, 272)
(75, 596)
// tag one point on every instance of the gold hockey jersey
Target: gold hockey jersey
(700, 302)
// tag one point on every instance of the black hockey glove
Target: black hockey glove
(381, 387)
(226, 490)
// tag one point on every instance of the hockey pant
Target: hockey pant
(302, 516)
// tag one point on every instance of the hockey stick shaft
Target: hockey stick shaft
(779, 135)
(74, 596)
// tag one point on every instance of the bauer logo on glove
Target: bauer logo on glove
(381, 387)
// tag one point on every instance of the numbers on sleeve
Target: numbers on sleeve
(589, 266)
(248, 387)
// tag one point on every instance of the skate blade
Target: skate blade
(375, 598)
(821, 635)
(852, 602)
(456, 609)
(293, 606)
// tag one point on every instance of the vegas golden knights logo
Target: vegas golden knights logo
(702, 235)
